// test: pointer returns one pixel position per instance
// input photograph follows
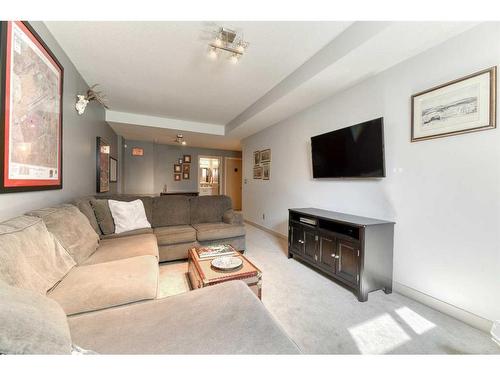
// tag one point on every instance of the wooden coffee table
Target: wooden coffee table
(202, 274)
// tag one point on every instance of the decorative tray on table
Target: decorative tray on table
(226, 263)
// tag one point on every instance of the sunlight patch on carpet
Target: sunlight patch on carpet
(378, 335)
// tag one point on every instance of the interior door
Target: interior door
(234, 181)
(348, 261)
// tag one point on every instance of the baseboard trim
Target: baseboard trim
(467, 317)
(270, 231)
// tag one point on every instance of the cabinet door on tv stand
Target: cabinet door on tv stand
(297, 238)
(327, 251)
(348, 261)
(311, 244)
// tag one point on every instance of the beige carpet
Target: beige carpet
(322, 317)
(173, 279)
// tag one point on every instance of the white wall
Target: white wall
(444, 193)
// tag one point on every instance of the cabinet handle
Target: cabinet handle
(333, 255)
(301, 241)
(337, 256)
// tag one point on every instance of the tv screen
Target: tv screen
(356, 151)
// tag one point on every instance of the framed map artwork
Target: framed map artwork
(30, 111)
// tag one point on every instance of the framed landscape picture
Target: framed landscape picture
(187, 159)
(265, 156)
(185, 176)
(256, 158)
(257, 173)
(465, 105)
(103, 151)
(186, 168)
(266, 171)
(137, 151)
(31, 95)
(177, 168)
(177, 176)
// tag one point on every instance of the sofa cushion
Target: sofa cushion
(85, 206)
(127, 234)
(196, 322)
(103, 215)
(215, 231)
(170, 210)
(102, 285)
(71, 228)
(124, 247)
(30, 256)
(232, 217)
(176, 251)
(128, 216)
(31, 323)
(146, 201)
(175, 234)
(209, 209)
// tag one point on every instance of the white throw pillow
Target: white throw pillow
(128, 215)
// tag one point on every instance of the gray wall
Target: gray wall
(79, 143)
(148, 174)
(443, 193)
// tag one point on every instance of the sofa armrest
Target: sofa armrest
(231, 217)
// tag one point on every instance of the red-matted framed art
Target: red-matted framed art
(31, 96)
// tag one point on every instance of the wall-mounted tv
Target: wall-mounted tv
(352, 152)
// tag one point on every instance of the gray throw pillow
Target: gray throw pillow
(103, 215)
(31, 323)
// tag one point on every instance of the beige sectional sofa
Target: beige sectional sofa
(178, 222)
(54, 264)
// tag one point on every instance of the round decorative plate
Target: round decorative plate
(227, 263)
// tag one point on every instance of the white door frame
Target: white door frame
(220, 177)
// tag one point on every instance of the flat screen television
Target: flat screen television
(352, 152)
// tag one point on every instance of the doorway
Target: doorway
(209, 175)
(233, 180)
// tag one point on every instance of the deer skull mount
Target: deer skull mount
(92, 95)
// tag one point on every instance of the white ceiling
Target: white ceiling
(168, 136)
(161, 70)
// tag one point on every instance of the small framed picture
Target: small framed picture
(465, 105)
(137, 151)
(177, 176)
(113, 169)
(265, 156)
(177, 168)
(186, 168)
(256, 158)
(187, 159)
(185, 176)
(266, 171)
(257, 173)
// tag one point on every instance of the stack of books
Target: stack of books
(215, 251)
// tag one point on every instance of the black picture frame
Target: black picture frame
(3, 74)
(113, 165)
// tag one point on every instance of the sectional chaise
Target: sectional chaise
(64, 274)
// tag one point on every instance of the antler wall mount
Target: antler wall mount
(92, 95)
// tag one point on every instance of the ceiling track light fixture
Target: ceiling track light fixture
(180, 140)
(226, 40)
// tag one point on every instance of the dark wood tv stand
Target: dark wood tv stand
(355, 250)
